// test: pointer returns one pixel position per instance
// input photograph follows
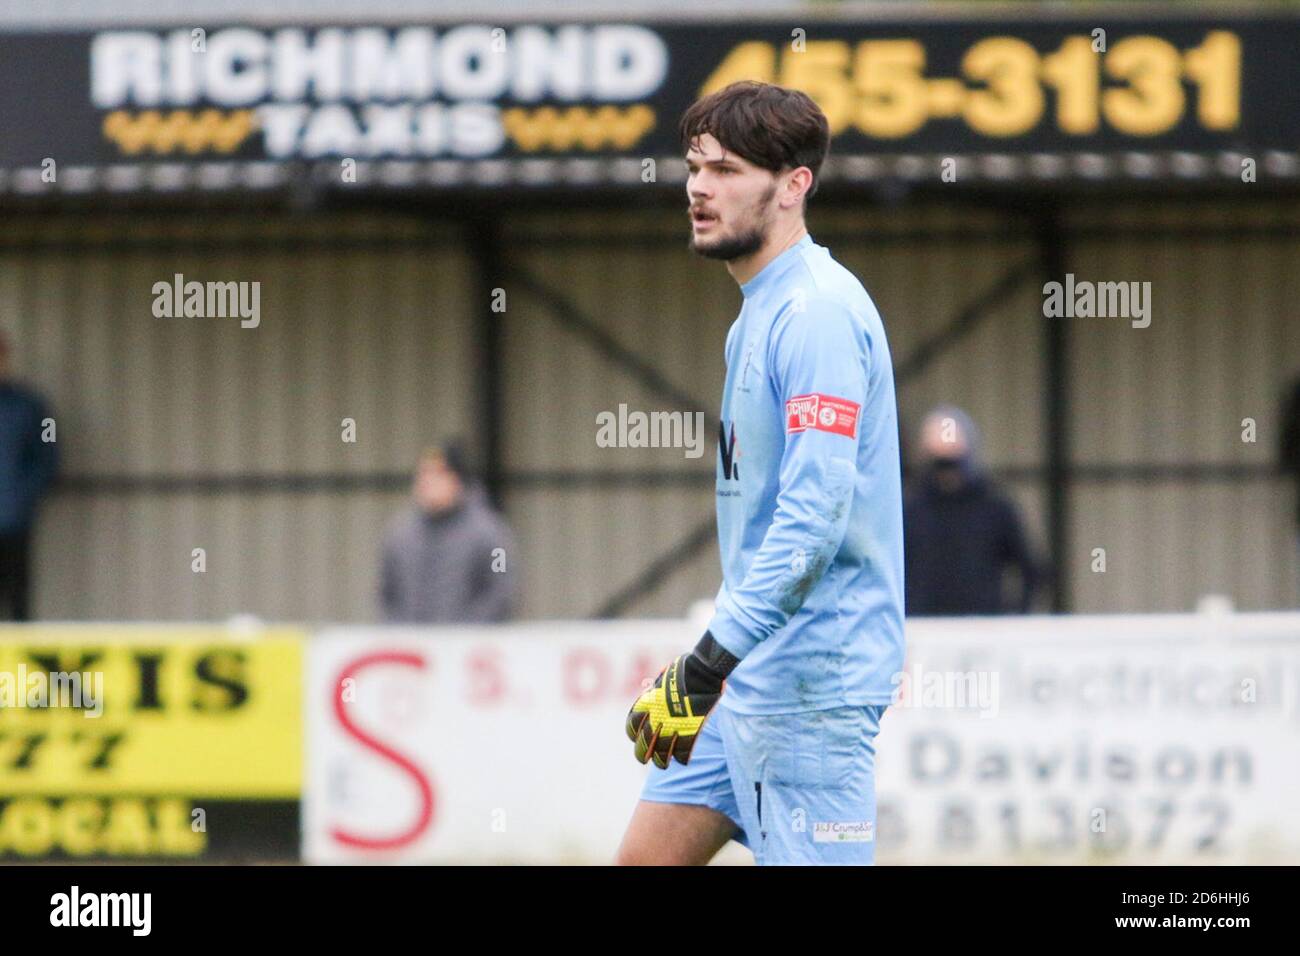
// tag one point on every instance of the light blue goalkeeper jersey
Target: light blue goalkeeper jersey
(810, 520)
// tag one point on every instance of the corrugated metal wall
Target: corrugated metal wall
(354, 323)
(633, 279)
(1224, 338)
(374, 319)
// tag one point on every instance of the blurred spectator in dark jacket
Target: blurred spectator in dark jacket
(1289, 447)
(28, 463)
(961, 535)
(449, 558)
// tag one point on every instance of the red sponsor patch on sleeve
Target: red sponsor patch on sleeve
(824, 412)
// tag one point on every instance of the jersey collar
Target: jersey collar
(768, 275)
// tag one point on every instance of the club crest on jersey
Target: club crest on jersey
(822, 412)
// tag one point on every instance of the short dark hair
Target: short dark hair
(452, 453)
(770, 126)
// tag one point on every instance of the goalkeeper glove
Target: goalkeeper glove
(666, 719)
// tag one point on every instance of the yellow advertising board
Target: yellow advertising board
(144, 741)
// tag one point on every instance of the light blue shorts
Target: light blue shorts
(801, 788)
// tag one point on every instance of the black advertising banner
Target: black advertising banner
(253, 99)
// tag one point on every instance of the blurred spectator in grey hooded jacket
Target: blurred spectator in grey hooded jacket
(961, 535)
(448, 558)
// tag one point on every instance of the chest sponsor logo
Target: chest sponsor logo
(727, 452)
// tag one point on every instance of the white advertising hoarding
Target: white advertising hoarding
(1142, 739)
(1132, 739)
(476, 744)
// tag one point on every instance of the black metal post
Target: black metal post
(484, 243)
(1056, 407)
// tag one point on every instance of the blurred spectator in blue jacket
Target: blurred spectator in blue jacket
(28, 463)
(961, 535)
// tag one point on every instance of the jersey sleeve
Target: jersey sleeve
(818, 360)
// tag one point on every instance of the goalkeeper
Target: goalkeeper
(765, 732)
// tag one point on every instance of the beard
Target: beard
(731, 247)
(745, 242)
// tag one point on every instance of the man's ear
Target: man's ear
(796, 187)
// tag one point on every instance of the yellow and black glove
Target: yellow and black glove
(666, 719)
